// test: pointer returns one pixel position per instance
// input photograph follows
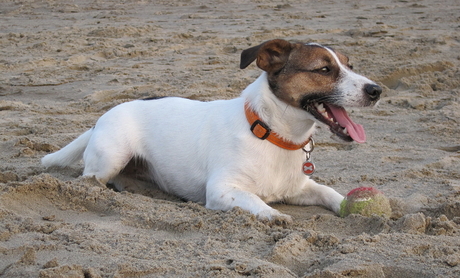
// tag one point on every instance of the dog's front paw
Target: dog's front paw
(275, 217)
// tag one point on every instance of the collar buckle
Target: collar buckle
(260, 129)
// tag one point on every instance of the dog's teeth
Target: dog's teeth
(325, 115)
(320, 108)
(345, 131)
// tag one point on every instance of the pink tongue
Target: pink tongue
(356, 131)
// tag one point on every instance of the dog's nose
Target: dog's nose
(373, 91)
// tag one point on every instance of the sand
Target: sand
(64, 63)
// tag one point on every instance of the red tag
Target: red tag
(308, 168)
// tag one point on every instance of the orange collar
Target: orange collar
(262, 131)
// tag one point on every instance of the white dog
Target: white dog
(243, 152)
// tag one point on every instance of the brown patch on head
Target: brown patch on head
(295, 69)
(311, 70)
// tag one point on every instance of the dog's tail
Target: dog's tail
(70, 154)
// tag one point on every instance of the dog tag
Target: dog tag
(308, 168)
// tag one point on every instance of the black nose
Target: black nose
(373, 91)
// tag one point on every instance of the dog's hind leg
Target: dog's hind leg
(313, 193)
(104, 157)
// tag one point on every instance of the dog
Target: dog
(244, 152)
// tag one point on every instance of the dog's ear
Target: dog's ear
(271, 55)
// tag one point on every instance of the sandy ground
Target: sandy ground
(64, 63)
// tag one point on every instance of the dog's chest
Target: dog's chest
(277, 174)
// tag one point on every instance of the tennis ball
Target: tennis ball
(365, 201)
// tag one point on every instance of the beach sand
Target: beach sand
(64, 63)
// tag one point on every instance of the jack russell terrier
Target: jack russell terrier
(244, 152)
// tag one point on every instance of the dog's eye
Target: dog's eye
(350, 66)
(323, 70)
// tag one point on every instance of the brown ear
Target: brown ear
(271, 55)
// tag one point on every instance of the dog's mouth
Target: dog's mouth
(337, 119)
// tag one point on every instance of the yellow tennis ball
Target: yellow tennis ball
(365, 201)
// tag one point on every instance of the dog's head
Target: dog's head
(317, 79)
